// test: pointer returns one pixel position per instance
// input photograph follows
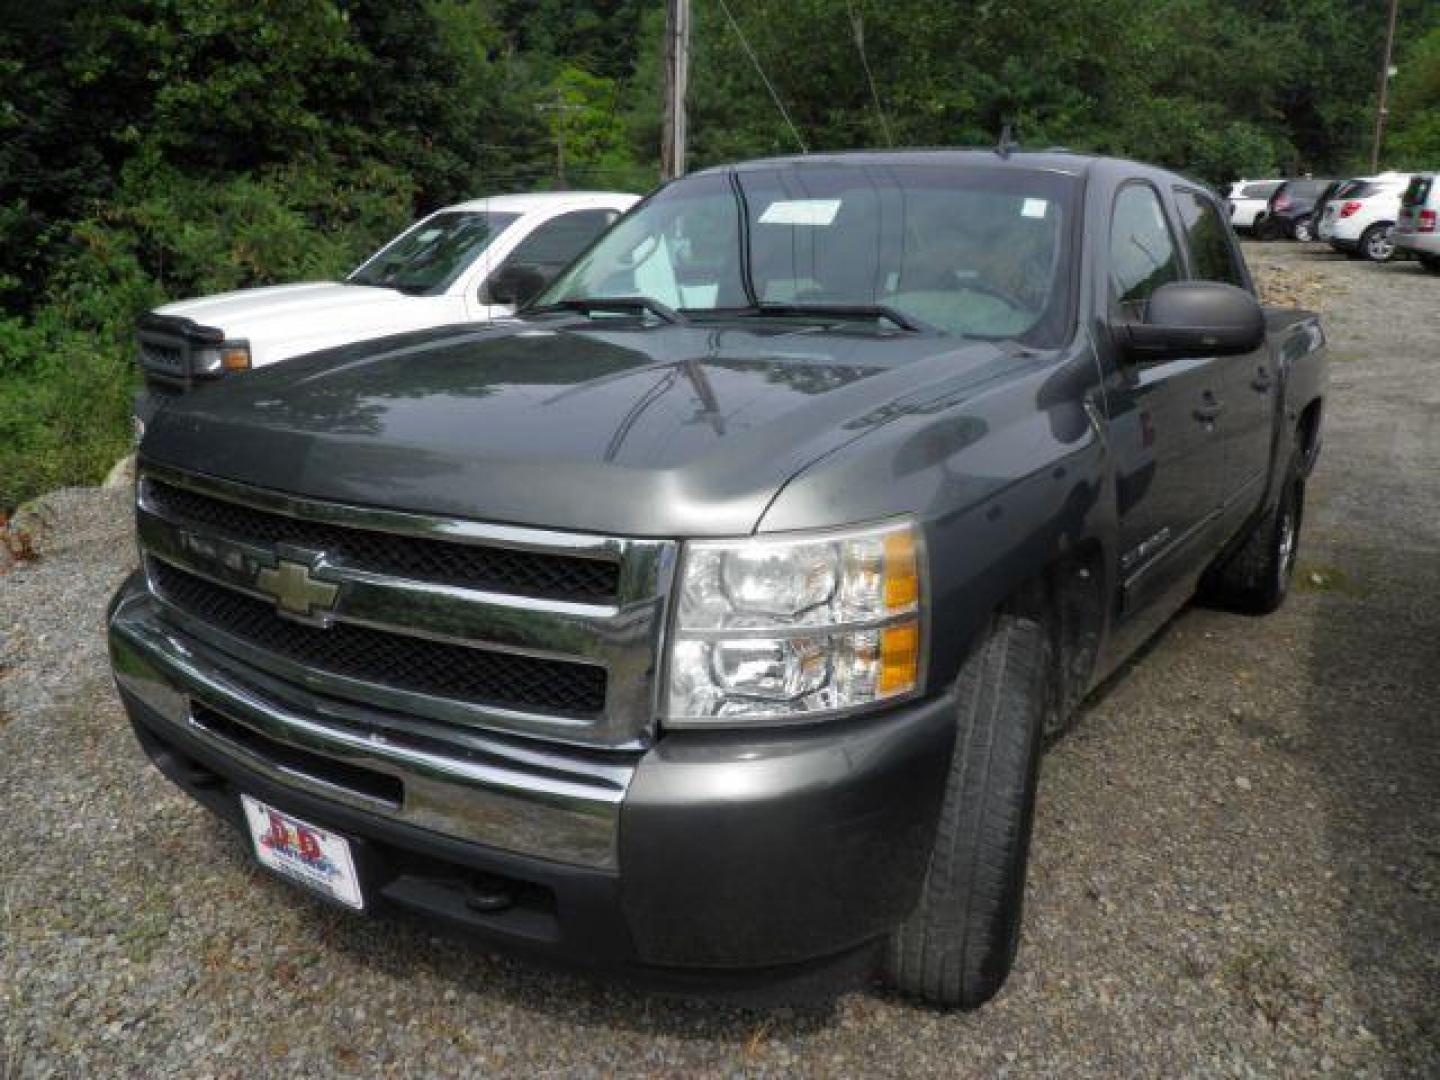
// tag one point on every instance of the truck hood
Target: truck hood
(310, 299)
(284, 320)
(610, 427)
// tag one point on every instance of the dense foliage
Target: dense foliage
(159, 148)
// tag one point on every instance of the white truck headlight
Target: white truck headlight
(219, 359)
(796, 628)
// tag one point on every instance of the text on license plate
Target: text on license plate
(306, 854)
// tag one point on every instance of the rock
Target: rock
(1243, 783)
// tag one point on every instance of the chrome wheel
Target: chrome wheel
(1304, 230)
(1379, 247)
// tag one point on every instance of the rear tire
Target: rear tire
(1431, 263)
(1304, 230)
(1376, 243)
(1256, 578)
(957, 947)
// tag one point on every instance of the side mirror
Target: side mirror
(1195, 318)
(515, 285)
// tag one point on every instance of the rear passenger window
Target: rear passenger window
(1142, 251)
(1212, 252)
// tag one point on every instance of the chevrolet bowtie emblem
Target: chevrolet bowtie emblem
(296, 590)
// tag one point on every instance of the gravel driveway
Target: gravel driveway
(1236, 867)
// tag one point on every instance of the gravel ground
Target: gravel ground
(1236, 867)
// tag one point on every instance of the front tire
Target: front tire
(1256, 578)
(957, 947)
(1376, 243)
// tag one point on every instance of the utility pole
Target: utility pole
(1384, 90)
(560, 107)
(677, 72)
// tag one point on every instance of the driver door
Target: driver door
(1165, 417)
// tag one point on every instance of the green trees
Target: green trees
(159, 148)
(1414, 140)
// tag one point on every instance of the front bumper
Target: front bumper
(1417, 243)
(712, 858)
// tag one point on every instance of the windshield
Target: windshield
(427, 258)
(975, 251)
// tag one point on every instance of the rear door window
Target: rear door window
(1212, 250)
(1418, 193)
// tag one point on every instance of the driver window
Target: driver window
(553, 245)
(1142, 252)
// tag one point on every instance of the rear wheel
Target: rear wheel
(1256, 578)
(957, 947)
(1376, 243)
(1431, 263)
(1304, 230)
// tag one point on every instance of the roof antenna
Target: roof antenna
(1007, 142)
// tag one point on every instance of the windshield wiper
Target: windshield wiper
(837, 313)
(624, 304)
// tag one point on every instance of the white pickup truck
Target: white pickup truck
(469, 262)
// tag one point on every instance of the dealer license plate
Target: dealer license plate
(306, 854)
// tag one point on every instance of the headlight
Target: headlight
(795, 629)
(219, 359)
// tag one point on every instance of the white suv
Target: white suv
(1417, 231)
(1360, 221)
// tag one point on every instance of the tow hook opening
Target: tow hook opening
(489, 895)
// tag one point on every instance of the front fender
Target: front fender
(1006, 482)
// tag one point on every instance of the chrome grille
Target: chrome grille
(523, 573)
(408, 663)
(477, 626)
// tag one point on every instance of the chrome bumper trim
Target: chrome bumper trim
(537, 802)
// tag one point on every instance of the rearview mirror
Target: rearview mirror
(1195, 318)
(515, 285)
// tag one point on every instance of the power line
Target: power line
(859, 29)
(745, 44)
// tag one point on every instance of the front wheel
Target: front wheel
(1376, 244)
(957, 947)
(1256, 578)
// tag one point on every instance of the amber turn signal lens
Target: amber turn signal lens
(902, 579)
(899, 659)
(235, 358)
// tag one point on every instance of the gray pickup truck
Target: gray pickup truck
(704, 624)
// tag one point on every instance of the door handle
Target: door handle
(1262, 381)
(1207, 411)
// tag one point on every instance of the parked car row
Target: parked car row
(1372, 217)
